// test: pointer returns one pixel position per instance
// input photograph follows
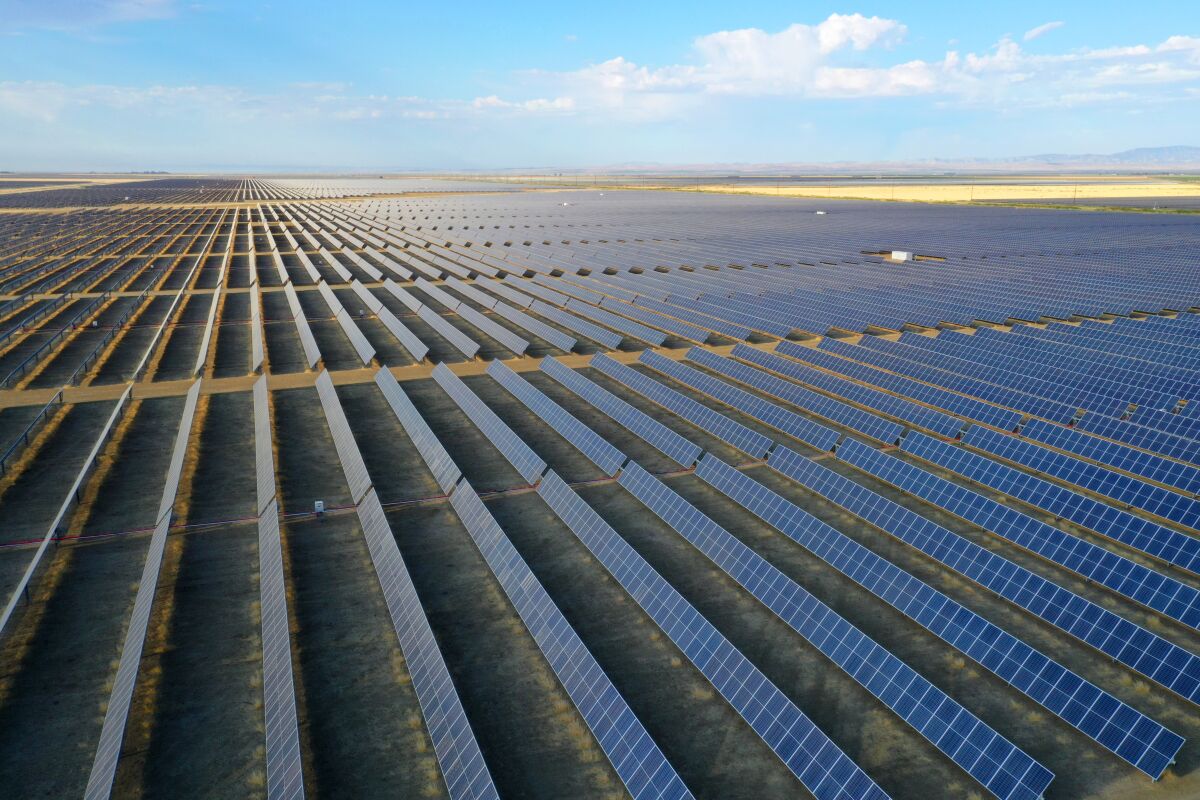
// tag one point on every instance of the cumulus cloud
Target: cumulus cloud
(1041, 30)
(819, 61)
(845, 56)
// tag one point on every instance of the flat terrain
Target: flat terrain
(780, 328)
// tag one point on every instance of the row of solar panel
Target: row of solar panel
(996, 763)
(1151, 762)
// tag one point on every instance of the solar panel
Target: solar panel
(817, 762)
(372, 271)
(581, 326)
(264, 456)
(871, 398)
(116, 714)
(364, 349)
(311, 353)
(357, 478)
(206, 337)
(953, 402)
(453, 335)
(280, 268)
(435, 456)
(437, 294)
(1126, 732)
(498, 332)
(711, 323)
(336, 265)
(463, 768)
(1092, 477)
(608, 458)
(667, 441)
(256, 331)
(410, 302)
(638, 761)
(527, 464)
(609, 320)
(470, 292)
(458, 753)
(534, 289)
(309, 269)
(535, 326)
(727, 430)
(506, 292)
(1184, 477)
(1140, 584)
(827, 407)
(390, 264)
(370, 301)
(992, 760)
(285, 777)
(752, 405)
(681, 329)
(1119, 525)
(408, 340)
(1130, 644)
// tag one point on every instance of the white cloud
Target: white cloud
(843, 57)
(1041, 30)
(818, 61)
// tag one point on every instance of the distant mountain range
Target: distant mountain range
(1176, 158)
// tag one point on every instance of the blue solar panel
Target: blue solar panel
(617, 323)
(1128, 529)
(835, 410)
(1141, 741)
(968, 741)
(581, 326)
(538, 328)
(968, 407)
(823, 768)
(527, 464)
(1128, 578)
(1155, 468)
(871, 398)
(639, 762)
(493, 329)
(1130, 644)
(719, 425)
(711, 323)
(608, 458)
(1092, 477)
(667, 441)
(435, 456)
(794, 425)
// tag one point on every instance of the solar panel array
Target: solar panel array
(698, 414)
(527, 464)
(116, 714)
(1020, 384)
(285, 778)
(1134, 737)
(671, 444)
(608, 458)
(1141, 534)
(823, 768)
(1130, 644)
(643, 768)
(995, 762)
(463, 768)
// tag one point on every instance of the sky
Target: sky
(387, 86)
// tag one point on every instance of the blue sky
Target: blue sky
(167, 84)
